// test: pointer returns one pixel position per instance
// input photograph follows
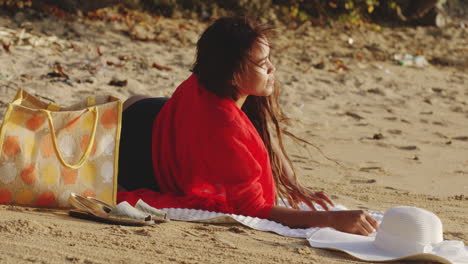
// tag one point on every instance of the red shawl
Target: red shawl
(207, 155)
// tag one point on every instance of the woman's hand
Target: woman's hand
(356, 222)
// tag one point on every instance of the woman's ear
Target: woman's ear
(233, 82)
(236, 80)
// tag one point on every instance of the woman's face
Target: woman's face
(257, 74)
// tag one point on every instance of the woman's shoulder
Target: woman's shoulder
(214, 108)
(191, 100)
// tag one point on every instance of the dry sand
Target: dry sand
(399, 133)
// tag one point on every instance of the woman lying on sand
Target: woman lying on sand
(211, 146)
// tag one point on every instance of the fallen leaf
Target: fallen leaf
(98, 50)
(359, 57)
(124, 58)
(319, 66)
(340, 67)
(6, 47)
(378, 136)
(58, 71)
(118, 83)
(161, 67)
(110, 63)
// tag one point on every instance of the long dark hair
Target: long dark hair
(221, 51)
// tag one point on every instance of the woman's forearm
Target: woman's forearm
(352, 221)
(300, 219)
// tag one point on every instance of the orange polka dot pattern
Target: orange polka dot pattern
(31, 173)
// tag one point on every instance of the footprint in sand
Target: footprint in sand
(394, 131)
(455, 235)
(437, 123)
(411, 147)
(21, 226)
(17, 208)
(224, 242)
(361, 181)
(354, 115)
(376, 91)
(142, 232)
(426, 113)
(236, 230)
(456, 109)
(440, 135)
(405, 121)
(298, 161)
(371, 169)
(117, 230)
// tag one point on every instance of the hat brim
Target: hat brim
(362, 247)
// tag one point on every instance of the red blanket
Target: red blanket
(207, 155)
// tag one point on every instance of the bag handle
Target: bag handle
(53, 107)
(88, 148)
(90, 101)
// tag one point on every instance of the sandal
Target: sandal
(122, 214)
(158, 215)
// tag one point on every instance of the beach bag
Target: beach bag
(48, 152)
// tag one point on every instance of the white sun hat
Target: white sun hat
(408, 233)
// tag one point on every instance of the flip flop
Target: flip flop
(93, 209)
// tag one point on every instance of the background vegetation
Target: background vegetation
(318, 12)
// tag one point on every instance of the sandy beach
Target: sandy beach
(384, 134)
